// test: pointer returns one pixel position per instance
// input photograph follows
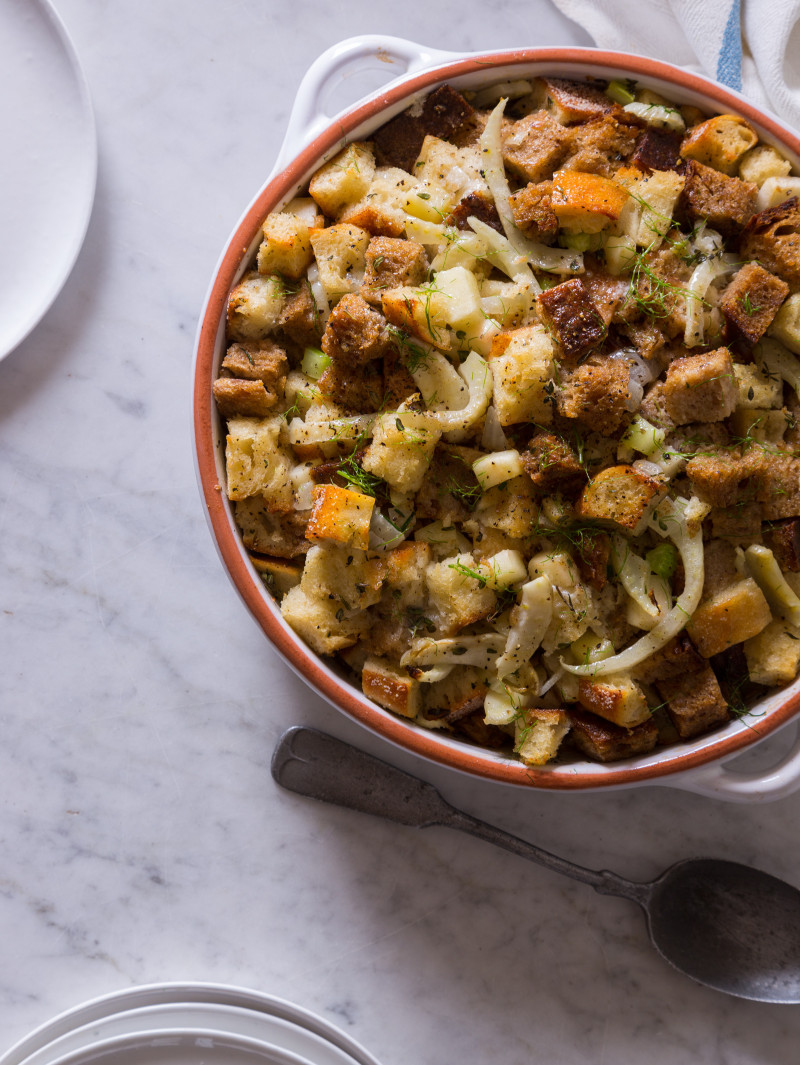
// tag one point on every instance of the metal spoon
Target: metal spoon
(725, 925)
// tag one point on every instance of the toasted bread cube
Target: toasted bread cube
(695, 703)
(259, 360)
(759, 423)
(552, 465)
(459, 694)
(411, 309)
(392, 263)
(271, 532)
(756, 390)
(720, 142)
(571, 101)
(340, 515)
(726, 203)
(773, 656)
(457, 169)
(406, 565)
(786, 324)
(597, 394)
(730, 616)
(623, 496)
(458, 599)
(381, 211)
(532, 208)
(344, 179)
(658, 194)
(572, 317)
(355, 333)
(522, 377)
(340, 252)
(236, 397)
(256, 464)
(779, 486)
(401, 448)
(751, 301)
(534, 146)
(615, 697)
(343, 573)
(738, 525)
(783, 539)
(538, 734)
(762, 162)
(511, 509)
(586, 203)
(286, 248)
(322, 623)
(676, 658)
(391, 687)
(773, 237)
(254, 307)
(279, 574)
(657, 149)
(717, 477)
(606, 742)
(701, 388)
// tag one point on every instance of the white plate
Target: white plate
(230, 1020)
(180, 994)
(180, 1047)
(48, 163)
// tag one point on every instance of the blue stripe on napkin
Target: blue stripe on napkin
(729, 64)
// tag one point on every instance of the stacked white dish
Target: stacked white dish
(188, 1024)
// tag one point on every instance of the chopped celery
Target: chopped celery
(621, 92)
(582, 241)
(643, 436)
(314, 363)
(662, 560)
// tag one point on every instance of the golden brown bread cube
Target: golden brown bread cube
(322, 623)
(344, 573)
(751, 301)
(279, 574)
(720, 142)
(617, 698)
(605, 742)
(623, 496)
(599, 145)
(286, 247)
(340, 515)
(522, 376)
(778, 487)
(391, 687)
(586, 203)
(720, 478)
(695, 703)
(773, 656)
(254, 307)
(345, 179)
(538, 734)
(258, 360)
(730, 616)
(701, 388)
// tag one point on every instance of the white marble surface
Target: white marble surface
(142, 836)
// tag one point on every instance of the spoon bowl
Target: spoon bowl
(728, 926)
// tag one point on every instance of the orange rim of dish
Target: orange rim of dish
(341, 693)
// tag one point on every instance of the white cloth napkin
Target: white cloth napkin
(749, 45)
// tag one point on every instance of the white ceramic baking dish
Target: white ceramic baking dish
(700, 765)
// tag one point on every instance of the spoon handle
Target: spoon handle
(322, 767)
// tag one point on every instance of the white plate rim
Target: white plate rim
(219, 1017)
(126, 999)
(82, 207)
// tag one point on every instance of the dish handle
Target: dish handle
(309, 117)
(722, 781)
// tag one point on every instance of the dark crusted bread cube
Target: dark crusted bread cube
(751, 301)
(237, 397)
(300, 318)
(573, 318)
(552, 464)
(355, 333)
(392, 262)
(727, 203)
(695, 703)
(258, 360)
(605, 742)
(773, 237)
(573, 101)
(783, 539)
(678, 657)
(534, 146)
(533, 212)
(657, 149)
(444, 113)
(473, 205)
(596, 394)
(601, 145)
